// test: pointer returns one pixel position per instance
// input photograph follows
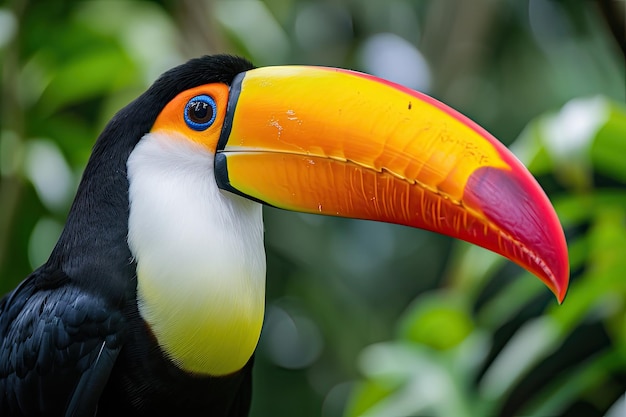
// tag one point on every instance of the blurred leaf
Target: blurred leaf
(471, 267)
(510, 301)
(439, 320)
(530, 149)
(560, 142)
(428, 386)
(609, 146)
(368, 393)
(87, 76)
(533, 341)
(252, 24)
(565, 389)
(574, 209)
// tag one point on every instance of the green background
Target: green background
(362, 317)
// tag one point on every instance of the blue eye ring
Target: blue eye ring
(200, 112)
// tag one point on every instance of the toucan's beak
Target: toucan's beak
(336, 142)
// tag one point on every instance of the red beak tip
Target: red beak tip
(516, 204)
(560, 290)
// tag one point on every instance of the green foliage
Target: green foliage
(440, 321)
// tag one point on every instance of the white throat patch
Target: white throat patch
(200, 256)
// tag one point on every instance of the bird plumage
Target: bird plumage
(72, 341)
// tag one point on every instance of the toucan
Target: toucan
(152, 301)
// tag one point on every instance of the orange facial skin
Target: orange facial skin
(171, 118)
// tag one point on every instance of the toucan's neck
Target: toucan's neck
(92, 248)
(200, 257)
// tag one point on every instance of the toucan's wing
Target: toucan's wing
(58, 344)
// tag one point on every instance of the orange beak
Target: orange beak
(341, 143)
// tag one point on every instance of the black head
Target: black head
(130, 124)
(102, 196)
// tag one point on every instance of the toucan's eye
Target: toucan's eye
(200, 112)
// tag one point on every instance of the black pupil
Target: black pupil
(200, 112)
